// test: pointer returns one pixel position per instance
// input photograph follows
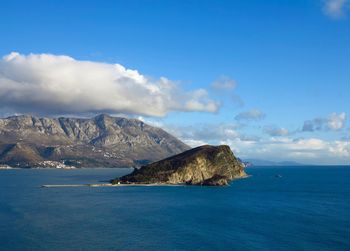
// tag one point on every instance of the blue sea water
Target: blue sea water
(308, 208)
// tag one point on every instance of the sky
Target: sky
(269, 78)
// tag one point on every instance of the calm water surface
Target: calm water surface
(308, 208)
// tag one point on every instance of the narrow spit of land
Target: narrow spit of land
(120, 185)
(108, 185)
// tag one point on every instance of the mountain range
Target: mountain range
(260, 162)
(101, 141)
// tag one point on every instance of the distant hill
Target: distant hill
(102, 141)
(259, 162)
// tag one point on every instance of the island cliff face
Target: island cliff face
(102, 141)
(204, 165)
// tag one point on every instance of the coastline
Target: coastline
(128, 184)
(110, 185)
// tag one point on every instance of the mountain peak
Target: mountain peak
(102, 141)
(102, 116)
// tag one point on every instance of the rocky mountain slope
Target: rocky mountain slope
(102, 141)
(204, 165)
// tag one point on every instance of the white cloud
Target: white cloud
(194, 143)
(334, 122)
(280, 147)
(340, 148)
(336, 8)
(252, 115)
(50, 84)
(200, 102)
(156, 122)
(306, 144)
(308, 151)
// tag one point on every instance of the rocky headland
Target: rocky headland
(205, 165)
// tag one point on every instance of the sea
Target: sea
(276, 208)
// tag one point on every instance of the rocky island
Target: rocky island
(205, 165)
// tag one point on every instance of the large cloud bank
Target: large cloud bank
(279, 147)
(50, 84)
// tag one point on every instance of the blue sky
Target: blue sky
(281, 69)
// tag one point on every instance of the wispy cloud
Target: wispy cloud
(333, 122)
(206, 132)
(224, 83)
(51, 84)
(336, 8)
(251, 115)
(276, 131)
(225, 86)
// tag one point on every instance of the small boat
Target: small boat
(278, 176)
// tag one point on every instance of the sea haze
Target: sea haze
(289, 208)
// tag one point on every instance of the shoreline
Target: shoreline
(126, 184)
(109, 185)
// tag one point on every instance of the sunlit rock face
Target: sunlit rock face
(204, 165)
